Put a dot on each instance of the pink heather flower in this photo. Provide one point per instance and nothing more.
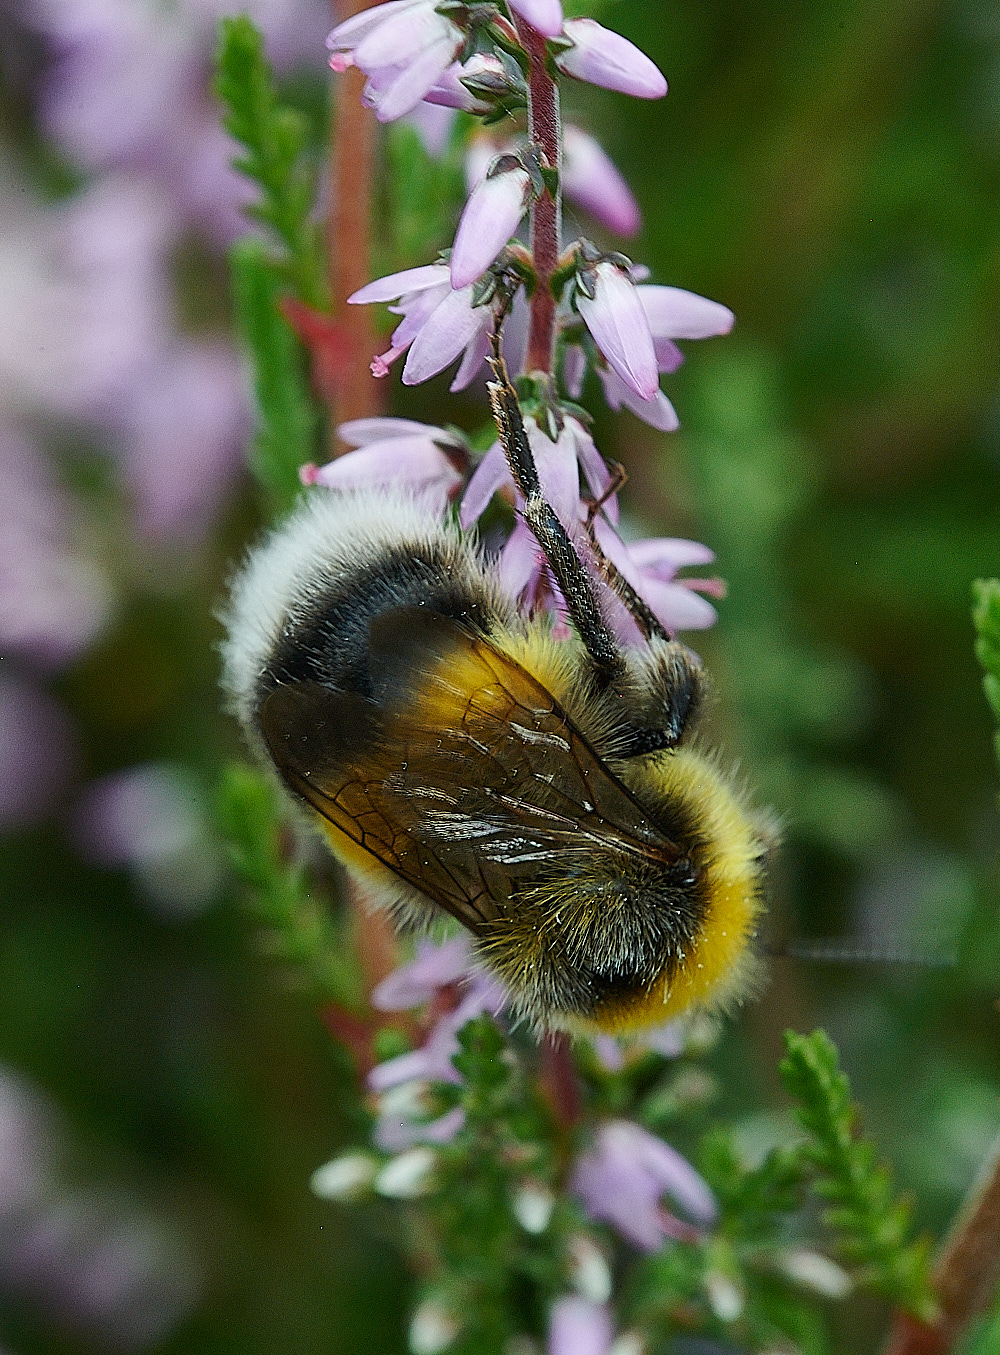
(604, 58)
(658, 412)
(432, 1061)
(491, 216)
(450, 92)
(433, 123)
(53, 600)
(438, 324)
(650, 567)
(593, 182)
(393, 452)
(577, 1326)
(671, 313)
(559, 464)
(434, 967)
(545, 15)
(404, 48)
(623, 1176)
(617, 321)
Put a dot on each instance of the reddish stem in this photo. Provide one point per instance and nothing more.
(559, 1080)
(359, 395)
(348, 236)
(965, 1277)
(545, 130)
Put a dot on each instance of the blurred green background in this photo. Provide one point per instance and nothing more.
(830, 172)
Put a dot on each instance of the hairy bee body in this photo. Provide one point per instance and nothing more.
(458, 758)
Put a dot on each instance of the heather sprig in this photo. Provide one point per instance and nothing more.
(871, 1224)
(275, 139)
(299, 930)
(986, 619)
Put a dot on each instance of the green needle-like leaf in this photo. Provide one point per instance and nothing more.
(873, 1227)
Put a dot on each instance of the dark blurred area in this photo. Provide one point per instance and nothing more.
(830, 172)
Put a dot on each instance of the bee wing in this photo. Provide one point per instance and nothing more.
(462, 773)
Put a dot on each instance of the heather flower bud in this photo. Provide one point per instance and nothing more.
(614, 314)
(589, 1271)
(592, 181)
(604, 58)
(432, 1329)
(545, 15)
(491, 216)
(407, 1176)
(532, 1206)
(344, 1178)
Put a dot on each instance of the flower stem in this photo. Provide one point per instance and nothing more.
(348, 242)
(545, 130)
(965, 1277)
(348, 236)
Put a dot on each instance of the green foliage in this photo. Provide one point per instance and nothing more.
(287, 418)
(986, 618)
(275, 138)
(425, 195)
(300, 928)
(871, 1225)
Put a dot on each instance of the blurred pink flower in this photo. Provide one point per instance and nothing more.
(578, 1326)
(129, 87)
(623, 1176)
(53, 599)
(592, 181)
(434, 967)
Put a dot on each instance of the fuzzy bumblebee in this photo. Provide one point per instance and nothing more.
(549, 795)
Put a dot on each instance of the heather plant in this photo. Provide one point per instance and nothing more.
(580, 1198)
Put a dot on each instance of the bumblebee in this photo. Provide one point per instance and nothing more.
(550, 795)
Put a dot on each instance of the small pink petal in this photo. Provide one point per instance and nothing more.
(402, 37)
(491, 216)
(662, 556)
(676, 314)
(308, 473)
(658, 412)
(595, 469)
(409, 461)
(677, 607)
(414, 80)
(491, 473)
(401, 284)
(604, 58)
(617, 321)
(354, 30)
(668, 356)
(454, 324)
(593, 182)
(545, 15)
(359, 432)
(579, 1327)
(474, 357)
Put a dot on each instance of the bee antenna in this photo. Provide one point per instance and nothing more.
(551, 535)
(835, 952)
